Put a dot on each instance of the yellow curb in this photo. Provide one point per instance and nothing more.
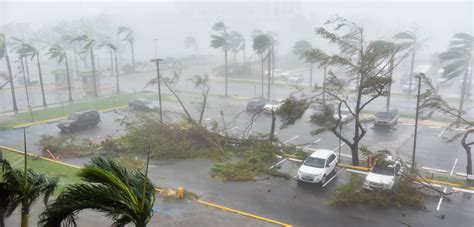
(36, 156)
(60, 118)
(440, 182)
(243, 213)
(353, 167)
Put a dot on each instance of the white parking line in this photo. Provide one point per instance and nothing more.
(454, 166)
(311, 144)
(441, 133)
(290, 139)
(342, 144)
(433, 169)
(335, 175)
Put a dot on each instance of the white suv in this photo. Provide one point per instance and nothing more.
(383, 177)
(317, 166)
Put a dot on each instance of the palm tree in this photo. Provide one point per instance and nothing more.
(129, 38)
(323, 60)
(113, 48)
(408, 39)
(4, 53)
(28, 50)
(300, 48)
(58, 53)
(262, 43)
(457, 61)
(88, 47)
(190, 42)
(16, 44)
(8, 201)
(222, 41)
(74, 49)
(124, 195)
(238, 44)
(28, 186)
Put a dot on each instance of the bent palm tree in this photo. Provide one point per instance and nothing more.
(4, 53)
(406, 40)
(262, 43)
(28, 50)
(129, 38)
(88, 47)
(238, 44)
(113, 48)
(123, 195)
(323, 60)
(222, 42)
(300, 48)
(57, 52)
(28, 188)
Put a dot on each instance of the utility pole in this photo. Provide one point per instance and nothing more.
(158, 78)
(418, 76)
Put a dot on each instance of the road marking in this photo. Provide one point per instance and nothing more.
(311, 144)
(441, 133)
(454, 166)
(441, 199)
(461, 174)
(335, 175)
(342, 144)
(433, 169)
(278, 163)
(463, 190)
(317, 141)
(292, 138)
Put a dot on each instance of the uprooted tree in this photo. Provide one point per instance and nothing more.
(365, 63)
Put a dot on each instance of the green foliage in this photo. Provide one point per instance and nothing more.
(404, 193)
(292, 110)
(261, 43)
(301, 48)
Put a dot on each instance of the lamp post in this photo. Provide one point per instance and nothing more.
(158, 77)
(418, 76)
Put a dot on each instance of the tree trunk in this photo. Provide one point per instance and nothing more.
(204, 103)
(41, 79)
(272, 131)
(269, 73)
(324, 83)
(2, 221)
(75, 63)
(310, 75)
(26, 83)
(12, 85)
(412, 66)
(463, 95)
(27, 70)
(68, 79)
(25, 216)
(225, 72)
(133, 55)
(467, 148)
(117, 72)
(470, 82)
(111, 63)
(273, 63)
(263, 72)
(94, 81)
(389, 87)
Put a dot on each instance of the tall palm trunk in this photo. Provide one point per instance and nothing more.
(269, 73)
(41, 79)
(263, 71)
(463, 94)
(12, 86)
(27, 70)
(467, 148)
(25, 215)
(117, 72)
(389, 87)
(75, 62)
(111, 62)
(26, 82)
(273, 63)
(133, 55)
(68, 79)
(225, 72)
(94, 81)
(412, 65)
(272, 130)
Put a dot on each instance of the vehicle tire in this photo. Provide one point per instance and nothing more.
(323, 180)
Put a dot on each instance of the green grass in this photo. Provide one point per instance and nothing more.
(66, 108)
(67, 175)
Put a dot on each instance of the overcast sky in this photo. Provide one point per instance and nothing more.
(171, 21)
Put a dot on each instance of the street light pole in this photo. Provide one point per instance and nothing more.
(158, 78)
(419, 76)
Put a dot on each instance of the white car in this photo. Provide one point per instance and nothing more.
(346, 115)
(383, 177)
(296, 78)
(273, 105)
(317, 166)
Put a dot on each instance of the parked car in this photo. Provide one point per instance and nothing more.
(386, 118)
(383, 177)
(79, 120)
(255, 104)
(142, 104)
(274, 105)
(346, 115)
(317, 166)
(296, 78)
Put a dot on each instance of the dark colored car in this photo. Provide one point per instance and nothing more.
(142, 104)
(386, 118)
(79, 120)
(256, 104)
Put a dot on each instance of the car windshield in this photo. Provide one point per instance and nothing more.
(314, 162)
(73, 116)
(383, 170)
(383, 115)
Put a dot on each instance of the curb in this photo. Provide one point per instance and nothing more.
(243, 213)
(36, 156)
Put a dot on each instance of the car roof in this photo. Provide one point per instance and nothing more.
(321, 153)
